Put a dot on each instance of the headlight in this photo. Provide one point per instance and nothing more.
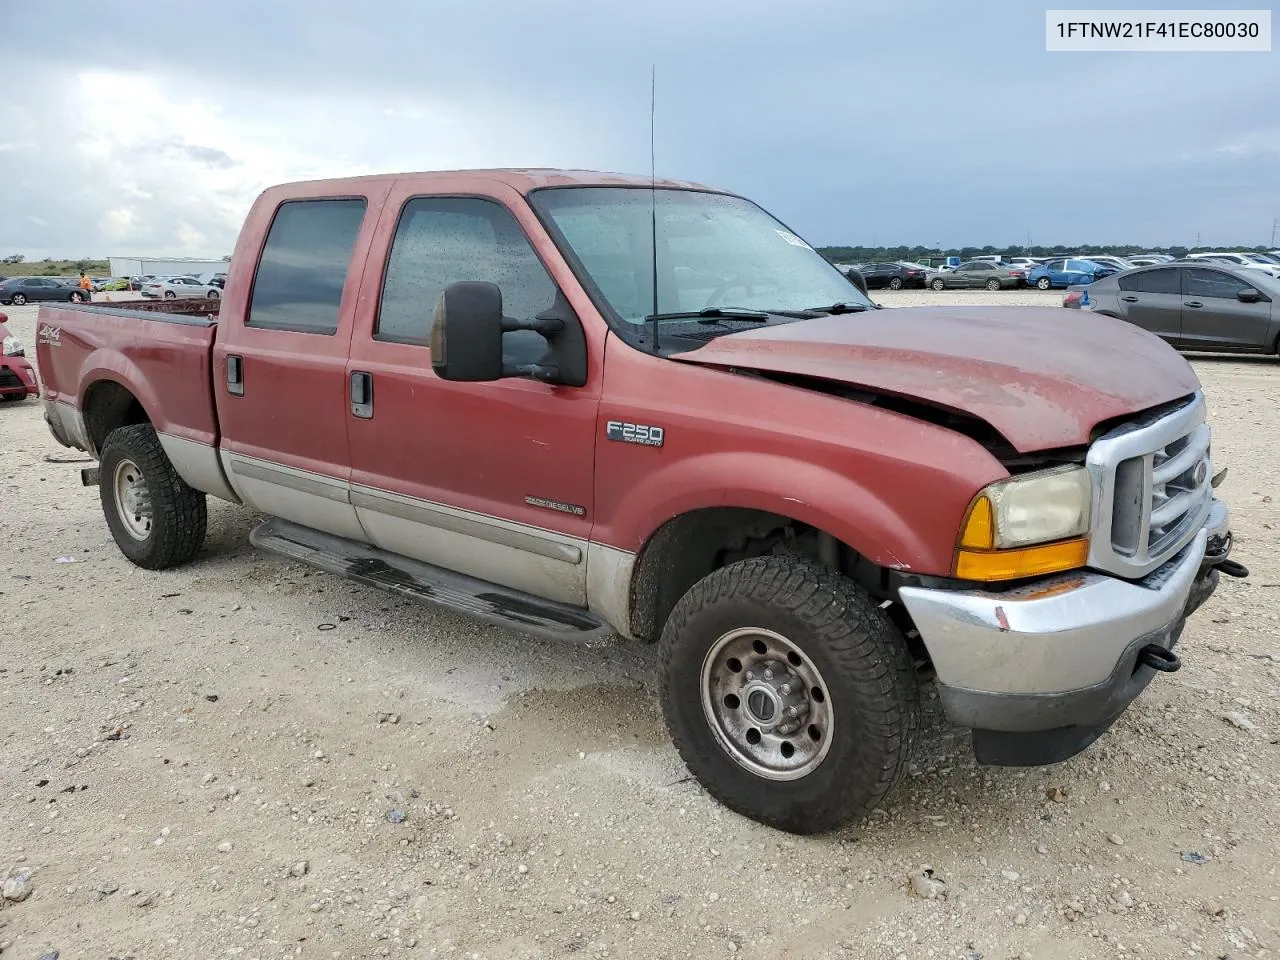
(13, 347)
(1027, 526)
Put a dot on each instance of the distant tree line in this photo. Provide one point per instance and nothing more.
(868, 254)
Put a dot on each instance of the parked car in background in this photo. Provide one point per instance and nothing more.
(1025, 264)
(1118, 264)
(1146, 261)
(979, 273)
(218, 280)
(171, 288)
(1192, 304)
(20, 290)
(17, 378)
(892, 274)
(1066, 271)
(1239, 259)
(1158, 257)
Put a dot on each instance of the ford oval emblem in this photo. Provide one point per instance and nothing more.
(1202, 472)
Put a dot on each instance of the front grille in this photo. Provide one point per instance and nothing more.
(1152, 489)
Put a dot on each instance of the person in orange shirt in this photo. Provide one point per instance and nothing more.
(85, 283)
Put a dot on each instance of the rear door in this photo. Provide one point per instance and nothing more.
(1152, 299)
(1213, 316)
(496, 479)
(280, 364)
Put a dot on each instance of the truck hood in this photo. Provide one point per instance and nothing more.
(1043, 377)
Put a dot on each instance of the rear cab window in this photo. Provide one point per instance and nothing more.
(300, 277)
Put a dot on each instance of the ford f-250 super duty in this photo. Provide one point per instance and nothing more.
(580, 403)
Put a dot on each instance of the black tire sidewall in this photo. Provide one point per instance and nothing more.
(820, 800)
(177, 511)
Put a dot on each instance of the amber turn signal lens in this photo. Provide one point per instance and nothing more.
(991, 565)
(979, 531)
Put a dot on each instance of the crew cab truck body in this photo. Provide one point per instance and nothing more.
(484, 390)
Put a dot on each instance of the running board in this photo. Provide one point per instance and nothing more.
(427, 583)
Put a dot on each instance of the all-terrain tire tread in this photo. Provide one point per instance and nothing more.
(868, 651)
(179, 512)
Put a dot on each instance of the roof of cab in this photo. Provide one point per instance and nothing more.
(522, 179)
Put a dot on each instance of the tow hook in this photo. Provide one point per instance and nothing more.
(1158, 658)
(1232, 569)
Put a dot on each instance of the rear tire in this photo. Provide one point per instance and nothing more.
(213, 295)
(170, 295)
(19, 299)
(937, 284)
(159, 522)
(895, 283)
(993, 284)
(1044, 283)
(804, 622)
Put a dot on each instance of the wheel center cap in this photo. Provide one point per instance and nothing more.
(763, 704)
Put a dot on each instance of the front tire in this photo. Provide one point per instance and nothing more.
(1044, 283)
(77, 297)
(213, 295)
(753, 642)
(157, 520)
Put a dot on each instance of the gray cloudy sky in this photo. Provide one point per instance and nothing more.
(148, 127)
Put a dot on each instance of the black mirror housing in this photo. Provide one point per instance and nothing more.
(1248, 295)
(466, 332)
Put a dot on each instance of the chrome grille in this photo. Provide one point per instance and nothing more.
(1152, 490)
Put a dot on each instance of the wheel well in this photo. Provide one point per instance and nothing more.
(689, 547)
(107, 405)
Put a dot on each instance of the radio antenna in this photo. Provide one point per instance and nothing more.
(653, 198)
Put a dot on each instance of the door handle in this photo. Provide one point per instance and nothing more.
(1129, 299)
(1194, 304)
(362, 395)
(235, 375)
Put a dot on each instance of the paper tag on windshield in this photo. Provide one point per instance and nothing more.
(792, 239)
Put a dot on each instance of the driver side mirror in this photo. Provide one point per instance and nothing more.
(1248, 295)
(466, 338)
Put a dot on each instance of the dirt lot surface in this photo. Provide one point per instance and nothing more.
(245, 759)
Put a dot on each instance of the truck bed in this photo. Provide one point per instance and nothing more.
(159, 351)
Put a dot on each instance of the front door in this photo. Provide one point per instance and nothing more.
(280, 367)
(1213, 316)
(494, 480)
(1152, 299)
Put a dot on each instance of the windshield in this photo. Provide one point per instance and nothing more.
(712, 251)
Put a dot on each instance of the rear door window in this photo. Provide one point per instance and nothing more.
(1151, 281)
(304, 265)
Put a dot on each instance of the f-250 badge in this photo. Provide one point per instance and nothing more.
(643, 434)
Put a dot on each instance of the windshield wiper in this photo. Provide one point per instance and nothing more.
(840, 308)
(711, 314)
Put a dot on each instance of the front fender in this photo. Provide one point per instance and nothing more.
(805, 492)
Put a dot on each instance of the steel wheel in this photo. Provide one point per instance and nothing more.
(767, 703)
(133, 499)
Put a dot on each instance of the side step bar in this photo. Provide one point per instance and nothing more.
(428, 583)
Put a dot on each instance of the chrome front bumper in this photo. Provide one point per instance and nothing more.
(1060, 652)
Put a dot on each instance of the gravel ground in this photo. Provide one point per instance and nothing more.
(246, 759)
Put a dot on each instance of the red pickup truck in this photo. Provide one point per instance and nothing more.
(580, 403)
